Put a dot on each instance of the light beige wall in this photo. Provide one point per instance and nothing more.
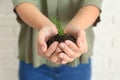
(8, 42)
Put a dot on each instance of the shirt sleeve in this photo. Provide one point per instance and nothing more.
(96, 3)
(17, 2)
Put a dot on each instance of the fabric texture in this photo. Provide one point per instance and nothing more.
(65, 10)
(63, 72)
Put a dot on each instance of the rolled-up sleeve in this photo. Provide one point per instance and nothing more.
(17, 2)
(96, 3)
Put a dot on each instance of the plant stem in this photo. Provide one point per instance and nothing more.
(58, 25)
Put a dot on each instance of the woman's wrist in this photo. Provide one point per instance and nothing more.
(72, 26)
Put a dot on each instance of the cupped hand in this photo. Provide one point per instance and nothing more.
(51, 52)
(44, 34)
(70, 49)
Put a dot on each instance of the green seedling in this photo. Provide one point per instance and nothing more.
(58, 25)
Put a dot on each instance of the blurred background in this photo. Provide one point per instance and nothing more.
(106, 59)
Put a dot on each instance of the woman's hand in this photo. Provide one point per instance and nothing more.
(72, 50)
(76, 27)
(44, 34)
(51, 52)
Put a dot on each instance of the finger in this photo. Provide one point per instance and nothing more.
(67, 50)
(54, 56)
(80, 40)
(58, 61)
(51, 49)
(70, 44)
(82, 43)
(65, 58)
(64, 62)
(58, 50)
(39, 52)
(42, 43)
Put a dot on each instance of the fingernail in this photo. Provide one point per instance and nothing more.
(62, 45)
(68, 42)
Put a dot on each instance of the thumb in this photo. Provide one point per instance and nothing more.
(79, 40)
(43, 46)
(42, 43)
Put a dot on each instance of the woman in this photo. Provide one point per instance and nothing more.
(60, 61)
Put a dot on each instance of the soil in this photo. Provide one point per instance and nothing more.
(60, 39)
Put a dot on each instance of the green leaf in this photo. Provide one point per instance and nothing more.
(58, 25)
